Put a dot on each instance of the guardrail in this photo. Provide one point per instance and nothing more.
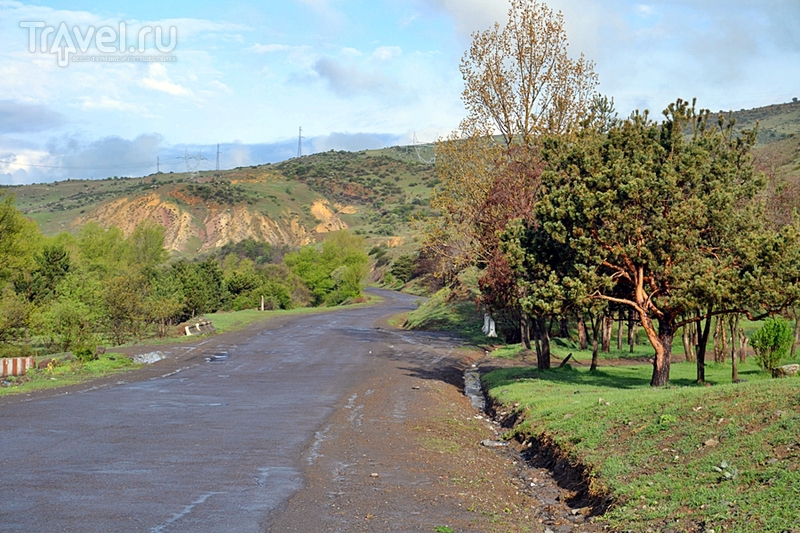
(16, 366)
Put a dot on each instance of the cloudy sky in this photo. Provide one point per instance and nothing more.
(353, 73)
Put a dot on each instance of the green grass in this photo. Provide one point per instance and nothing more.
(642, 348)
(439, 313)
(68, 373)
(646, 446)
(226, 321)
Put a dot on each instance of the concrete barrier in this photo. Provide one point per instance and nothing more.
(200, 327)
(16, 366)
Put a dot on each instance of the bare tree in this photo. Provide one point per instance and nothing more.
(520, 80)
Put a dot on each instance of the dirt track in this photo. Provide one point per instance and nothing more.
(315, 423)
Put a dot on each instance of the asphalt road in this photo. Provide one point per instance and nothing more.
(206, 446)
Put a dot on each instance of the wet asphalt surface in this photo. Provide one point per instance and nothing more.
(213, 445)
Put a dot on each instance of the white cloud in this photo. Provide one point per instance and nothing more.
(387, 53)
(352, 141)
(105, 102)
(23, 160)
(347, 79)
(650, 53)
(268, 48)
(333, 18)
(470, 15)
(220, 87)
(22, 117)
(158, 80)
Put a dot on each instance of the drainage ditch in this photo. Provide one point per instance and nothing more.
(539, 452)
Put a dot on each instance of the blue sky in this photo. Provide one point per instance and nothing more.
(354, 74)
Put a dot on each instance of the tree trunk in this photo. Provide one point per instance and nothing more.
(543, 356)
(631, 331)
(608, 326)
(582, 343)
(595, 324)
(563, 328)
(662, 344)
(688, 349)
(701, 348)
(525, 331)
(796, 331)
(720, 342)
(619, 330)
(743, 340)
(733, 324)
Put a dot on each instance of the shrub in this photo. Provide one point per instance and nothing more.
(84, 353)
(772, 343)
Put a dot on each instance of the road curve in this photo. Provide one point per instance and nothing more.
(214, 447)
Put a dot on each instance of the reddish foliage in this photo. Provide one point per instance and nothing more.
(512, 197)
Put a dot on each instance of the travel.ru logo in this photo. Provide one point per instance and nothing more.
(111, 43)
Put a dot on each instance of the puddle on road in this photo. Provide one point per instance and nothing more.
(223, 356)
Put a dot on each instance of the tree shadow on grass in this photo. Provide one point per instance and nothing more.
(620, 378)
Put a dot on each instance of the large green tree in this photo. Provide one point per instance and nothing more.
(334, 272)
(661, 218)
(19, 238)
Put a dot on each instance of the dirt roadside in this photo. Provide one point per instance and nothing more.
(404, 454)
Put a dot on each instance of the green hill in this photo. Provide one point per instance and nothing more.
(775, 122)
(373, 193)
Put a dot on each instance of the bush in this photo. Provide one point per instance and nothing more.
(84, 353)
(772, 343)
(403, 268)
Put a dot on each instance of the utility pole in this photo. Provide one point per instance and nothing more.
(217, 156)
(300, 142)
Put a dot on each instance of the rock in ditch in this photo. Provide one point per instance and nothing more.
(493, 443)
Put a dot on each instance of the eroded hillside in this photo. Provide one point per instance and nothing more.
(294, 203)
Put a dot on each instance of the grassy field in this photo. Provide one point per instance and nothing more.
(67, 373)
(684, 458)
